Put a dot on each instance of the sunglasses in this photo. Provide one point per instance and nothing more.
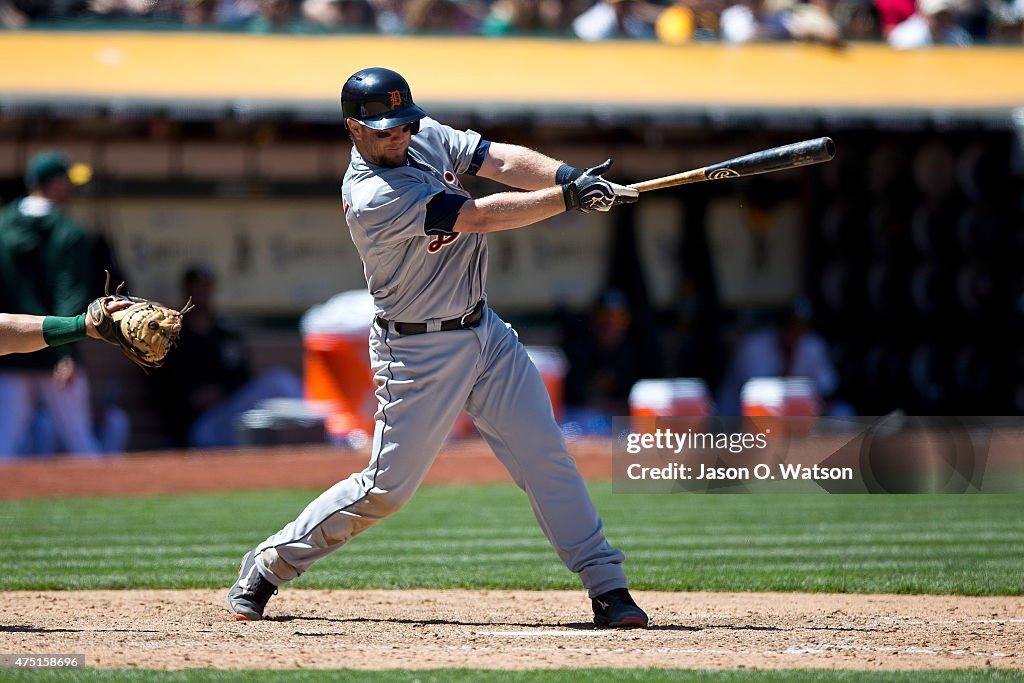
(411, 128)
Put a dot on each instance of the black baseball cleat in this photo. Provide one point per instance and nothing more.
(249, 596)
(616, 609)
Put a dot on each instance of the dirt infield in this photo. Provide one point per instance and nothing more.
(386, 629)
(515, 630)
(467, 462)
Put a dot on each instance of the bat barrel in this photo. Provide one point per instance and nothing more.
(775, 159)
(810, 151)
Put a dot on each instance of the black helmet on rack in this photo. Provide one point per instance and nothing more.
(379, 99)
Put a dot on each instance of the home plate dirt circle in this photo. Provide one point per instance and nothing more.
(425, 629)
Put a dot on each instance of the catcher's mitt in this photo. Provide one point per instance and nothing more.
(145, 330)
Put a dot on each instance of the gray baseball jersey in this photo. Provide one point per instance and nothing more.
(411, 275)
(424, 380)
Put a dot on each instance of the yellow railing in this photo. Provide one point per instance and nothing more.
(509, 72)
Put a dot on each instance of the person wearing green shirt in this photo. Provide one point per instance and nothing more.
(45, 259)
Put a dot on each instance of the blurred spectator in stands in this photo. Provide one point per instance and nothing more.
(120, 8)
(236, 13)
(813, 21)
(11, 17)
(1007, 21)
(23, 13)
(601, 356)
(790, 348)
(44, 262)
(858, 20)
(976, 17)
(754, 20)
(150, 10)
(443, 16)
(278, 16)
(686, 20)
(892, 13)
(206, 383)
(531, 16)
(196, 13)
(390, 16)
(340, 15)
(617, 19)
(934, 23)
(15, 14)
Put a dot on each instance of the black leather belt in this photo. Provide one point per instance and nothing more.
(463, 322)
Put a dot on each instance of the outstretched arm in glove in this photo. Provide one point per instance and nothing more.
(23, 333)
(145, 330)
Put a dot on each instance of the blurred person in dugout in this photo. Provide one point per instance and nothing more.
(45, 263)
(790, 348)
(601, 356)
(206, 383)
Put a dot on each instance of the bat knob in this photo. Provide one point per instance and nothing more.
(830, 147)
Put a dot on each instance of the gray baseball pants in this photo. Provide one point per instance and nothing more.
(423, 382)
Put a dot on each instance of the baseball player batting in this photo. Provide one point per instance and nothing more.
(436, 347)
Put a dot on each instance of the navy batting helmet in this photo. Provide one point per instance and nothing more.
(379, 99)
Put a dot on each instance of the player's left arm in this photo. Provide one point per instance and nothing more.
(511, 165)
(524, 168)
(527, 169)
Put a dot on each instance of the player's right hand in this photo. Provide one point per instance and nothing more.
(591, 192)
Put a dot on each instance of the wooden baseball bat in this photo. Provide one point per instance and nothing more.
(775, 159)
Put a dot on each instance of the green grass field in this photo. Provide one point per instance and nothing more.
(486, 537)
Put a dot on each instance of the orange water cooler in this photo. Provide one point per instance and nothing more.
(794, 398)
(337, 370)
(780, 397)
(685, 397)
(336, 363)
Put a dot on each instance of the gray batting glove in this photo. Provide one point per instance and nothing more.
(591, 192)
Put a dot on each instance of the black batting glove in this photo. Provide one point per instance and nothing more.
(591, 192)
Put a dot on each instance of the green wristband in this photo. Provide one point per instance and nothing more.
(58, 330)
